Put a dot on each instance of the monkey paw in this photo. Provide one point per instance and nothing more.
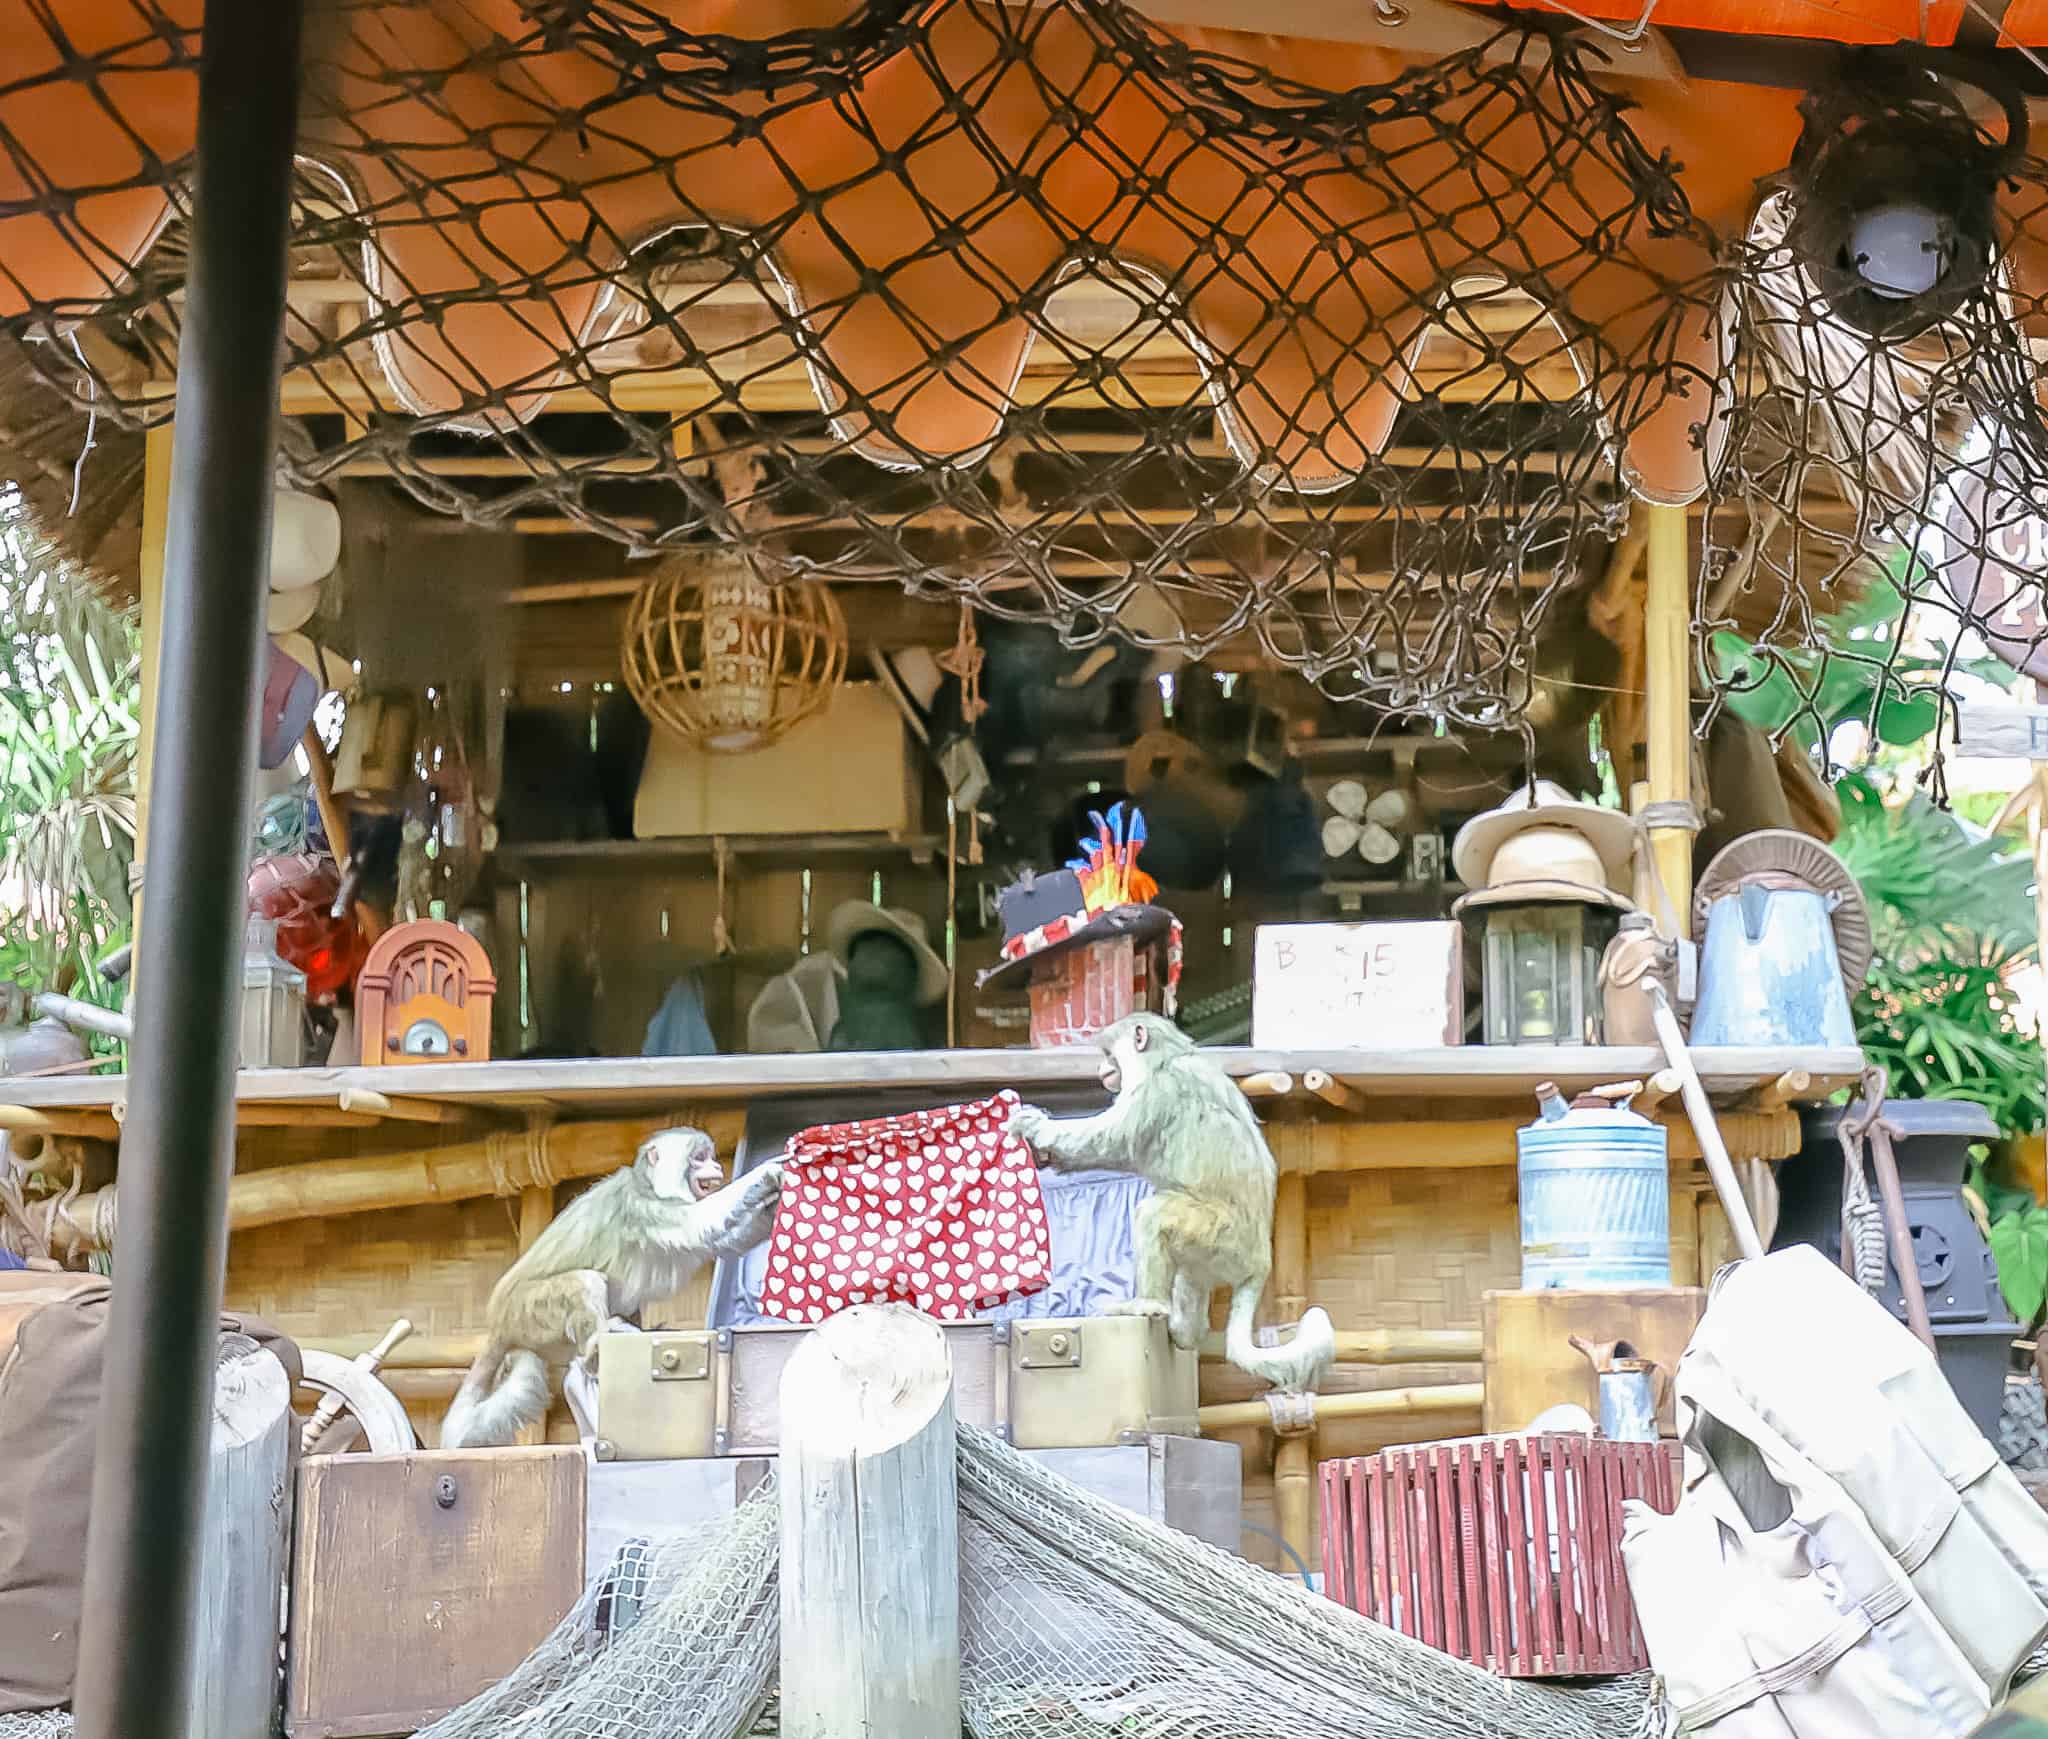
(1029, 1125)
(1138, 1307)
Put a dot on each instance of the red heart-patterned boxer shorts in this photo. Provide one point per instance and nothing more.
(940, 1209)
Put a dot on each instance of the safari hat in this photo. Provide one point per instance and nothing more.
(1611, 834)
(853, 919)
(1545, 863)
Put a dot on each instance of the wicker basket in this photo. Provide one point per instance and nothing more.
(726, 661)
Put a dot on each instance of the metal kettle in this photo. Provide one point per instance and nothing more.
(1770, 973)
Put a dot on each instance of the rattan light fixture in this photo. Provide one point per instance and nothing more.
(726, 661)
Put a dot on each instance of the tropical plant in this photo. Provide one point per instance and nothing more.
(69, 697)
(1951, 915)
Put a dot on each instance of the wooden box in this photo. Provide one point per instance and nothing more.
(1531, 1364)
(1340, 986)
(420, 1579)
(1047, 1383)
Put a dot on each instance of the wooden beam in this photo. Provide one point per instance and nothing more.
(1362, 1404)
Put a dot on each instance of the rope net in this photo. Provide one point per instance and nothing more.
(1188, 337)
(1039, 307)
(1076, 1618)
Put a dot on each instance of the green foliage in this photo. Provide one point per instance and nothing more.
(69, 693)
(1951, 916)
(1854, 673)
(2018, 1232)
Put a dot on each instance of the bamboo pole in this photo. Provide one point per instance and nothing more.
(504, 1164)
(536, 1214)
(1294, 1457)
(1362, 1404)
(156, 520)
(1388, 1346)
(1477, 1142)
(1667, 641)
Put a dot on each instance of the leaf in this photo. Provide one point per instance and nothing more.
(2019, 1247)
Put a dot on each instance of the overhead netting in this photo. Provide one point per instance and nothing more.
(1077, 1618)
(1885, 443)
(1039, 306)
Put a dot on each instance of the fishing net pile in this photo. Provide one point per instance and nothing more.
(1041, 307)
(1077, 1618)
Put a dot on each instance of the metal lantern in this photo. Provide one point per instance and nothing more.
(273, 1000)
(1542, 971)
(726, 661)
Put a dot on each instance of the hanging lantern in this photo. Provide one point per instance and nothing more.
(726, 661)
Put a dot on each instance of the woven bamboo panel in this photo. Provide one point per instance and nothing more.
(1412, 1249)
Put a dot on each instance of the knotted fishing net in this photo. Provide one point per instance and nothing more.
(1076, 1618)
(1040, 307)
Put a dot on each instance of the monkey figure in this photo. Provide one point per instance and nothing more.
(1181, 1124)
(634, 1238)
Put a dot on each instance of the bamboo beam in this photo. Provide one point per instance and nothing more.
(156, 520)
(1667, 677)
(403, 1109)
(536, 1214)
(1294, 1458)
(1330, 1146)
(502, 1165)
(22, 1120)
(1363, 1404)
(1333, 1092)
(1386, 1346)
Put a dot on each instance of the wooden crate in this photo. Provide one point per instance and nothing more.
(419, 1580)
(1504, 1552)
(1531, 1364)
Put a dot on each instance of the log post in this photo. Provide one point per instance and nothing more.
(241, 1555)
(1294, 1456)
(870, 1531)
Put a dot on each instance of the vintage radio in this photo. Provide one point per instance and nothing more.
(1045, 1383)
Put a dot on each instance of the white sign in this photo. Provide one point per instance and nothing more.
(2011, 732)
(1357, 986)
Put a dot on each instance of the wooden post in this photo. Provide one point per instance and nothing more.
(1667, 640)
(1294, 1457)
(235, 1685)
(156, 519)
(870, 1531)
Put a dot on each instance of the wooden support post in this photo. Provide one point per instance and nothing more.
(234, 1685)
(1667, 639)
(156, 519)
(1294, 1457)
(870, 1531)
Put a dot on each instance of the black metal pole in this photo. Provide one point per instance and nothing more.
(137, 1636)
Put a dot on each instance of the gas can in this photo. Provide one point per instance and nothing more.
(1596, 1195)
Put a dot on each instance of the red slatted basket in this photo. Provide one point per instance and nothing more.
(1438, 1541)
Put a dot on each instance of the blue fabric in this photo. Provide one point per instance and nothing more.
(679, 1028)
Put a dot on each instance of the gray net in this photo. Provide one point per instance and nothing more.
(1077, 1618)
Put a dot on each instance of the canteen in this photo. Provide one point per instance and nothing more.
(1770, 973)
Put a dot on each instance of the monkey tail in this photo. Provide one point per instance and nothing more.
(1295, 1366)
(506, 1391)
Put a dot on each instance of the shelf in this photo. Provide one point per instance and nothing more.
(779, 847)
(1504, 1075)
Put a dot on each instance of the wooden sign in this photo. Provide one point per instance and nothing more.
(1349, 986)
(2017, 732)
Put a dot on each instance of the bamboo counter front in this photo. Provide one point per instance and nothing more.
(361, 1196)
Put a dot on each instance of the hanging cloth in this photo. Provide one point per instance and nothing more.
(940, 1209)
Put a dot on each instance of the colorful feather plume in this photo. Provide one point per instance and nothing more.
(1108, 869)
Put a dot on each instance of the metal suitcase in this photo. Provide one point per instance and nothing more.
(1045, 1383)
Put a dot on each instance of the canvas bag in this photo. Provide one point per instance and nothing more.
(49, 1419)
(1845, 1558)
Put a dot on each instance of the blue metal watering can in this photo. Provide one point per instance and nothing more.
(1770, 973)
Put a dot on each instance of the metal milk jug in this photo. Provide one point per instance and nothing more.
(1631, 1388)
(1595, 1193)
(1770, 973)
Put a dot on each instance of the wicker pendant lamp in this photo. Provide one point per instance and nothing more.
(726, 661)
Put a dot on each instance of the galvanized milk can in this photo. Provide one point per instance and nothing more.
(1595, 1193)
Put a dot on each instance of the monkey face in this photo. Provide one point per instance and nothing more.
(681, 1165)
